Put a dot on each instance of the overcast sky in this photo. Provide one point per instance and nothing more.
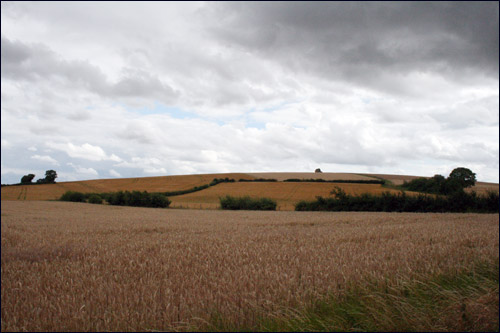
(124, 89)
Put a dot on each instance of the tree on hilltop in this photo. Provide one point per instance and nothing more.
(50, 177)
(27, 178)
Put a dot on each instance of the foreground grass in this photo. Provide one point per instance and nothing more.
(461, 301)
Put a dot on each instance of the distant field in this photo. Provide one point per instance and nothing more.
(280, 176)
(150, 184)
(286, 194)
(83, 267)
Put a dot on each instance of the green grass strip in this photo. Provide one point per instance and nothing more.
(460, 301)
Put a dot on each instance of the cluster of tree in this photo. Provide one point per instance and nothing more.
(247, 203)
(120, 198)
(50, 178)
(348, 181)
(459, 201)
(259, 180)
(458, 179)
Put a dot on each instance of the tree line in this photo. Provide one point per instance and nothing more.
(50, 178)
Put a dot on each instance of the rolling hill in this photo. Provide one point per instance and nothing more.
(285, 193)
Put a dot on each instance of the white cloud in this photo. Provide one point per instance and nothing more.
(114, 173)
(249, 87)
(85, 151)
(84, 171)
(45, 158)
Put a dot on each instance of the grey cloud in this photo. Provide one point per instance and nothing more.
(359, 40)
(33, 62)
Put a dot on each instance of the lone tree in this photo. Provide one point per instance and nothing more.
(27, 178)
(318, 170)
(50, 176)
(463, 176)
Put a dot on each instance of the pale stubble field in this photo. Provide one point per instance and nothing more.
(72, 266)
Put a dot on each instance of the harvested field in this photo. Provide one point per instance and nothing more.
(395, 179)
(280, 176)
(150, 184)
(82, 267)
(286, 194)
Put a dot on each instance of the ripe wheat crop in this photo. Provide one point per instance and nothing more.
(74, 266)
(150, 184)
(286, 194)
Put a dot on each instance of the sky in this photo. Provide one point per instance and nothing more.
(99, 90)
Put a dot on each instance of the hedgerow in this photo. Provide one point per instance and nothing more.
(120, 198)
(247, 203)
(459, 202)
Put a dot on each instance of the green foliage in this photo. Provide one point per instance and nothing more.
(73, 196)
(121, 198)
(464, 176)
(181, 192)
(247, 203)
(50, 176)
(407, 306)
(458, 179)
(259, 180)
(460, 202)
(216, 181)
(94, 198)
(26, 179)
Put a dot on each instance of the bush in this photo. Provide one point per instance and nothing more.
(73, 196)
(94, 199)
(159, 201)
(138, 199)
(247, 203)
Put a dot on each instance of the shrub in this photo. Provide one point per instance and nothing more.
(247, 203)
(94, 199)
(159, 201)
(73, 196)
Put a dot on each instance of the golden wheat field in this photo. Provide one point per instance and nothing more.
(286, 194)
(82, 267)
(150, 184)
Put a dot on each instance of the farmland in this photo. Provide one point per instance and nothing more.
(73, 266)
(286, 194)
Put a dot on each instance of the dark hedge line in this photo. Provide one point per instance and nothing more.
(120, 198)
(259, 180)
(181, 192)
(350, 181)
(458, 202)
(214, 182)
(247, 203)
(221, 180)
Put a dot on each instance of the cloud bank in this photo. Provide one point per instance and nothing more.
(102, 90)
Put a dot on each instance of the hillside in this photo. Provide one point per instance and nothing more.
(286, 194)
